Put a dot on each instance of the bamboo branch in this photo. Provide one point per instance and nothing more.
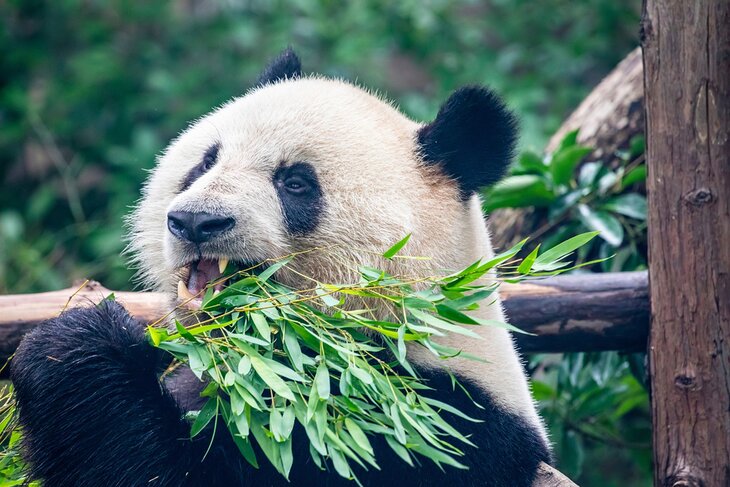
(566, 313)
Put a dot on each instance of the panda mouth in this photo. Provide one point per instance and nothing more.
(201, 274)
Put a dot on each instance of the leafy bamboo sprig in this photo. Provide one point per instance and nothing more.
(274, 357)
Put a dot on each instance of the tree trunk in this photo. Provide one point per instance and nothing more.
(686, 48)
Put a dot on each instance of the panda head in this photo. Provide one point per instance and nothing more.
(308, 162)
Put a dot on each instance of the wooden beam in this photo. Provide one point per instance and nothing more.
(567, 313)
(581, 313)
(19, 313)
(686, 47)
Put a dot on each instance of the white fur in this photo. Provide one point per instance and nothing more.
(376, 190)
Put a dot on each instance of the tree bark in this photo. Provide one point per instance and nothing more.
(686, 47)
(612, 114)
(566, 313)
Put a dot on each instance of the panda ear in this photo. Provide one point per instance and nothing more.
(285, 66)
(472, 139)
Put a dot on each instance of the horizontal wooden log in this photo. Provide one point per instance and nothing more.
(581, 313)
(588, 312)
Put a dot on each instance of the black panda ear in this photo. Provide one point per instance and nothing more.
(285, 66)
(472, 139)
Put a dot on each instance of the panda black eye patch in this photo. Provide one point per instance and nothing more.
(210, 158)
(300, 196)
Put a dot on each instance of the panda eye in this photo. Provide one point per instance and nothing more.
(210, 157)
(208, 163)
(296, 185)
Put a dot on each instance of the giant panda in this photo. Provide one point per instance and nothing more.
(298, 162)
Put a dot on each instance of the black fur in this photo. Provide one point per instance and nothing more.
(210, 159)
(94, 413)
(473, 138)
(285, 66)
(302, 208)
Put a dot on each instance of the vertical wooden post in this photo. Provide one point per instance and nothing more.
(686, 46)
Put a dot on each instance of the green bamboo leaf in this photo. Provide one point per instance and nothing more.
(400, 432)
(288, 417)
(244, 365)
(526, 265)
(391, 252)
(562, 250)
(340, 463)
(437, 322)
(246, 450)
(366, 378)
(269, 271)
(358, 435)
(272, 380)
(206, 414)
(157, 335)
(399, 450)
(275, 425)
(401, 343)
(503, 256)
(326, 297)
(261, 324)
(211, 390)
(183, 332)
(322, 378)
(237, 405)
(452, 314)
(445, 325)
(287, 457)
(242, 421)
(267, 445)
(293, 350)
(198, 361)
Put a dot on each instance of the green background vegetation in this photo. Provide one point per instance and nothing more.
(91, 91)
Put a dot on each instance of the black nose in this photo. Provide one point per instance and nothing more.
(197, 227)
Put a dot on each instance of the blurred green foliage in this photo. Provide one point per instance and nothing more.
(571, 195)
(90, 91)
(597, 413)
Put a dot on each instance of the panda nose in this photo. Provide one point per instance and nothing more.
(198, 227)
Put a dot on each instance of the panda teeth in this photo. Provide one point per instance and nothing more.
(222, 264)
(182, 291)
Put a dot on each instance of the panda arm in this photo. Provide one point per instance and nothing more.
(93, 411)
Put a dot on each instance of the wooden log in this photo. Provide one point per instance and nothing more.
(567, 313)
(581, 313)
(687, 79)
(21, 312)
